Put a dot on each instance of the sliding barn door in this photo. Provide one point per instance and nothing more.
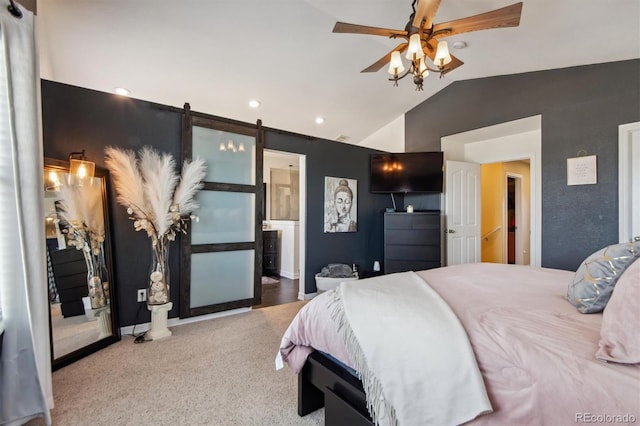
(222, 253)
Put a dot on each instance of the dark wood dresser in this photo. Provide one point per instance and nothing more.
(270, 253)
(70, 273)
(412, 241)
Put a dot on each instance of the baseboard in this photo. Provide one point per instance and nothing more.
(306, 296)
(290, 275)
(128, 330)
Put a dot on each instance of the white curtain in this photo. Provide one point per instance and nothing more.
(25, 366)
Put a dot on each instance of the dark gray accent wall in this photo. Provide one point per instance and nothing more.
(581, 110)
(329, 158)
(75, 118)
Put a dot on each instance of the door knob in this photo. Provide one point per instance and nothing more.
(450, 231)
(636, 238)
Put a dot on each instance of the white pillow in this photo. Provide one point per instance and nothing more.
(619, 334)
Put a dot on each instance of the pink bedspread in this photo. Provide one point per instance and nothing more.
(535, 351)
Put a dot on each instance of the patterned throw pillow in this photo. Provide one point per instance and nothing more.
(597, 275)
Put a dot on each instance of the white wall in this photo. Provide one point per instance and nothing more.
(276, 160)
(390, 138)
(288, 236)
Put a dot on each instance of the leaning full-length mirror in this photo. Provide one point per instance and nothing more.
(80, 270)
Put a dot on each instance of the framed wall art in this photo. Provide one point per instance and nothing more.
(340, 204)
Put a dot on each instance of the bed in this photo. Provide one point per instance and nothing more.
(536, 353)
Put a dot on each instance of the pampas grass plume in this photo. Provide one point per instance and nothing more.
(151, 188)
(191, 181)
(82, 206)
(127, 179)
(160, 180)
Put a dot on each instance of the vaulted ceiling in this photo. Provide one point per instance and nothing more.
(219, 54)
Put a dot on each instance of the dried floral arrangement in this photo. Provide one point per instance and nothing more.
(81, 209)
(157, 199)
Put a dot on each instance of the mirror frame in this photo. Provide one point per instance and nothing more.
(64, 360)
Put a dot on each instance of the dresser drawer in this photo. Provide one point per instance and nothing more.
(429, 253)
(416, 237)
(270, 246)
(391, 266)
(413, 221)
(269, 261)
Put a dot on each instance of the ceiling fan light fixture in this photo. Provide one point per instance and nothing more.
(421, 33)
(395, 65)
(423, 70)
(442, 57)
(414, 51)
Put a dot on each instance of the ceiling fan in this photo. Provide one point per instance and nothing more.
(422, 39)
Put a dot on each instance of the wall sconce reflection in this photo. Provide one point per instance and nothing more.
(80, 169)
(53, 182)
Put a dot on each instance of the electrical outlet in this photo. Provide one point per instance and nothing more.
(142, 295)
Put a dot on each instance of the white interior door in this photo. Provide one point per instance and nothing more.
(629, 181)
(462, 193)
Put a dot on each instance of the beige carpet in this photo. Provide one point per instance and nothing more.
(215, 372)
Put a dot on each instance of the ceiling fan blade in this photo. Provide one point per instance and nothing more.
(385, 59)
(455, 63)
(343, 27)
(500, 18)
(432, 46)
(426, 10)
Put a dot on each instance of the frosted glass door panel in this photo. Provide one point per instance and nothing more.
(220, 277)
(224, 217)
(230, 157)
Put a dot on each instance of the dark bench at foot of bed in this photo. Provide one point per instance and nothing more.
(322, 382)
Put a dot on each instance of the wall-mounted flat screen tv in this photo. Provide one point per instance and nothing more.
(406, 172)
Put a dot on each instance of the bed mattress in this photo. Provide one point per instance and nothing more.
(535, 351)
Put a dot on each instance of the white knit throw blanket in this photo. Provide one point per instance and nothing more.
(415, 362)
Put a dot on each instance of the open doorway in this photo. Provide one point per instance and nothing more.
(505, 223)
(284, 177)
(509, 142)
(516, 214)
(512, 218)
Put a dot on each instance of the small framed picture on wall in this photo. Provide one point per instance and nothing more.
(582, 170)
(340, 204)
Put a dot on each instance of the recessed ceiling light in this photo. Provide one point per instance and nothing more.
(121, 91)
(319, 120)
(459, 45)
(254, 103)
